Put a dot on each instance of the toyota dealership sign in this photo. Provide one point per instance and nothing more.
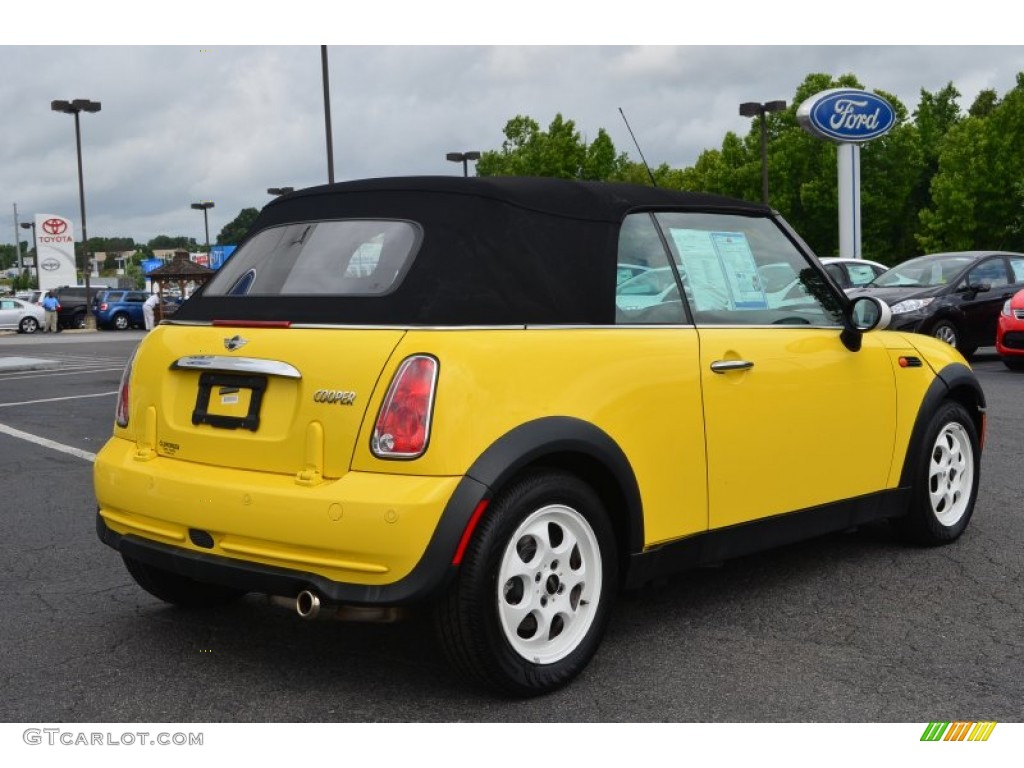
(55, 246)
(846, 115)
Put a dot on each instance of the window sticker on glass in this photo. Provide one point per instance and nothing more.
(720, 269)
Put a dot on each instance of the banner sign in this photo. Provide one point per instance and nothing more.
(219, 254)
(148, 265)
(55, 246)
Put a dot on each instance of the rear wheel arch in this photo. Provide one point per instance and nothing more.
(579, 448)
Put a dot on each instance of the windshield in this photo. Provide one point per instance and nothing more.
(924, 272)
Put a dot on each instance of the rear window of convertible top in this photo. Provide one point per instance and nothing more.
(336, 258)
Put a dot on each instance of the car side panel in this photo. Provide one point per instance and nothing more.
(641, 388)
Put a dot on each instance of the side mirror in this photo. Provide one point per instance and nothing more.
(869, 313)
(863, 314)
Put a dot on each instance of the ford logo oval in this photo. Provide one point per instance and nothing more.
(50, 264)
(846, 115)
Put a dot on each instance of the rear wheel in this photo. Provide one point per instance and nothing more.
(28, 325)
(532, 597)
(121, 322)
(177, 589)
(946, 479)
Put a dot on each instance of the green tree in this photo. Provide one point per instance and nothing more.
(560, 152)
(166, 243)
(975, 204)
(235, 230)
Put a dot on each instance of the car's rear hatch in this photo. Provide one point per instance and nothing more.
(281, 400)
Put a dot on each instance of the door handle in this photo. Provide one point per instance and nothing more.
(725, 366)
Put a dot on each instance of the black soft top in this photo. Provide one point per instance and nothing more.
(495, 250)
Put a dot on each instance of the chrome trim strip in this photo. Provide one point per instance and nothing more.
(236, 365)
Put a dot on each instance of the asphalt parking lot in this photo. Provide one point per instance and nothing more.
(853, 627)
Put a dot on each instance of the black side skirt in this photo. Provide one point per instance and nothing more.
(760, 535)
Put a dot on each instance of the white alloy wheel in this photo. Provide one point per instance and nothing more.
(549, 584)
(951, 474)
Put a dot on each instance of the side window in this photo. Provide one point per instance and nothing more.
(992, 272)
(744, 270)
(1017, 269)
(647, 292)
(835, 271)
(862, 274)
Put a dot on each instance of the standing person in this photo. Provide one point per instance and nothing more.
(50, 306)
(149, 310)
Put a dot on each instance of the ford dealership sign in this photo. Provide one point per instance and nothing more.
(846, 115)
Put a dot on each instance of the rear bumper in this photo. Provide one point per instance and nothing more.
(366, 539)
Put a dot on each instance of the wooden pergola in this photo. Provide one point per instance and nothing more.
(181, 272)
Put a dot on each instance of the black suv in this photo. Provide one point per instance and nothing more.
(73, 304)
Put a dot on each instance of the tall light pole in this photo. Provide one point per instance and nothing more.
(32, 225)
(464, 158)
(74, 108)
(756, 109)
(204, 206)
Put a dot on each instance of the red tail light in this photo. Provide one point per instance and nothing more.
(103, 307)
(121, 412)
(403, 424)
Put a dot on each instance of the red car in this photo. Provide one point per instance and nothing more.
(1010, 332)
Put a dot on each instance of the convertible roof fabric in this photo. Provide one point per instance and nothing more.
(495, 250)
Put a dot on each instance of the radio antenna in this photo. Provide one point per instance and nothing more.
(653, 182)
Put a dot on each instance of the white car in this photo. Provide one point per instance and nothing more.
(21, 316)
(853, 273)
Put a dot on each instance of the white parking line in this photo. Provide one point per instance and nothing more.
(57, 399)
(4, 429)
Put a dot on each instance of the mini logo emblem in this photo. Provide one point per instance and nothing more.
(235, 342)
(50, 264)
(54, 226)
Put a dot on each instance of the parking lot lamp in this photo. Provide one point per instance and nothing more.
(74, 108)
(756, 109)
(205, 206)
(464, 158)
(278, 191)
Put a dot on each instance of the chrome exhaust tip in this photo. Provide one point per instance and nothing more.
(307, 604)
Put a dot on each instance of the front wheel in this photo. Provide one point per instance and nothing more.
(1014, 363)
(946, 331)
(177, 589)
(532, 598)
(946, 479)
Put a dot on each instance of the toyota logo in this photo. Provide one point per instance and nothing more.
(55, 226)
(50, 265)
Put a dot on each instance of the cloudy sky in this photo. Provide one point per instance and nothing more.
(185, 120)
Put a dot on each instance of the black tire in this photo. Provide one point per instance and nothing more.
(542, 561)
(946, 479)
(121, 322)
(1014, 363)
(78, 321)
(28, 325)
(177, 589)
(946, 331)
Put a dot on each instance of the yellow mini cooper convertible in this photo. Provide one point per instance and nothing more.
(436, 392)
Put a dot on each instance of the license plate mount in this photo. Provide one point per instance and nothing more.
(229, 401)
